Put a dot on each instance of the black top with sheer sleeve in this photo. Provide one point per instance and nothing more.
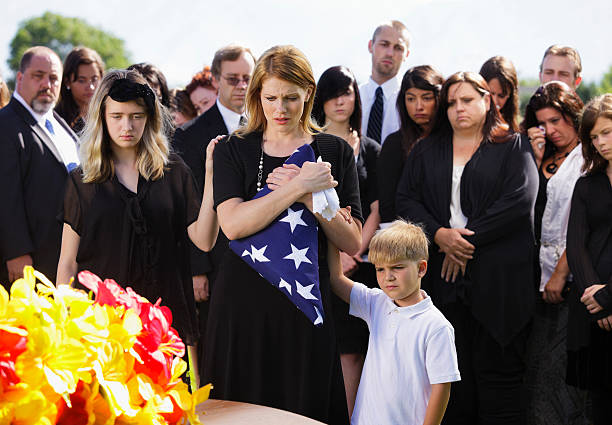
(139, 239)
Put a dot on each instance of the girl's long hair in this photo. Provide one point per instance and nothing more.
(95, 148)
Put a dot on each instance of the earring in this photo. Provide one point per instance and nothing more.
(68, 88)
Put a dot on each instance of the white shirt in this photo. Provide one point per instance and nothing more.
(410, 348)
(230, 118)
(367, 91)
(63, 142)
(457, 219)
(559, 192)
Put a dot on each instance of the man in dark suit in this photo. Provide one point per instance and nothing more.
(231, 70)
(37, 150)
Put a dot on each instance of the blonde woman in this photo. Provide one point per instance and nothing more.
(130, 207)
(259, 347)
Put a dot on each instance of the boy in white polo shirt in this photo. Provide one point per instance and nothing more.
(411, 357)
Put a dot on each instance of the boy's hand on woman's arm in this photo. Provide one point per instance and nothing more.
(440, 394)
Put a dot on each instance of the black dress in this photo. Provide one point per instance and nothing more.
(259, 347)
(589, 254)
(140, 239)
(390, 167)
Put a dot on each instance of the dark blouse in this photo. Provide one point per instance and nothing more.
(236, 160)
(390, 165)
(139, 239)
(589, 252)
(366, 163)
(498, 190)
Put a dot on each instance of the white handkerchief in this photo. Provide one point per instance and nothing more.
(326, 202)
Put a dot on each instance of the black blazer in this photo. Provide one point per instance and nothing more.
(588, 253)
(190, 142)
(32, 179)
(498, 191)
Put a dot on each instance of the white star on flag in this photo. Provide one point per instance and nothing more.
(294, 218)
(319, 318)
(256, 254)
(304, 291)
(298, 256)
(285, 285)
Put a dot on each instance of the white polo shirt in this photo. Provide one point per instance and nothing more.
(410, 348)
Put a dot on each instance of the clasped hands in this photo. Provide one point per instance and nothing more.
(458, 251)
(588, 299)
(311, 177)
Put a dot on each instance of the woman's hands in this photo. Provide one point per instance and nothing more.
(554, 289)
(458, 251)
(589, 300)
(312, 177)
(537, 139)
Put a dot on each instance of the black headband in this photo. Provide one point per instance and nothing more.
(124, 90)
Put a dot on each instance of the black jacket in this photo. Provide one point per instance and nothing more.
(190, 142)
(32, 179)
(498, 191)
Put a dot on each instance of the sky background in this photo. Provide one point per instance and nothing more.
(181, 36)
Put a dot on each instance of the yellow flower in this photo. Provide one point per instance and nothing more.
(24, 406)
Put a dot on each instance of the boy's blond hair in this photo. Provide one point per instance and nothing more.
(399, 242)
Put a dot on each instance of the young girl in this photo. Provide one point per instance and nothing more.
(589, 254)
(130, 207)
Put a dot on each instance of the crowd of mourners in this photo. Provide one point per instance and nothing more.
(509, 319)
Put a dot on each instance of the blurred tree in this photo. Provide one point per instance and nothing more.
(61, 34)
(606, 82)
(587, 91)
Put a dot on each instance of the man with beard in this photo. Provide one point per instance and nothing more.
(37, 151)
(389, 48)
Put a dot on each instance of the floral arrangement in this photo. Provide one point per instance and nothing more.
(68, 359)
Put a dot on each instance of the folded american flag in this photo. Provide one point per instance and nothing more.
(286, 252)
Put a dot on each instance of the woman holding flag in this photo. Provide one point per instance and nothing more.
(260, 348)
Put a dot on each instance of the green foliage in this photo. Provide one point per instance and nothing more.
(62, 34)
(587, 91)
(606, 82)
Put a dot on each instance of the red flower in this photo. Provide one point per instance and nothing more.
(76, 414)
(158, 343)
(11, 346)
(108, 292)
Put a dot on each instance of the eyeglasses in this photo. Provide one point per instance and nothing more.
(233, 81)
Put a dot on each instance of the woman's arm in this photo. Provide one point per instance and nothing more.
(239, 218)
(438, 400)
(67, 266)
(517, 200)
(341, 285)
(578, 229)
(203, 232)
(346, 236)
(554, 287)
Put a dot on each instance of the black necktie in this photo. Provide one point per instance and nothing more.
(376, 116)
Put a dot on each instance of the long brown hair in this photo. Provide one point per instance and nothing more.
(503, 69)
(67, 106)
(286, 63)
(600, 107)
(422, 77)
(493, 130)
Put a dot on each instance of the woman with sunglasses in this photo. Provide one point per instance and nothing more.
(132, 205)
